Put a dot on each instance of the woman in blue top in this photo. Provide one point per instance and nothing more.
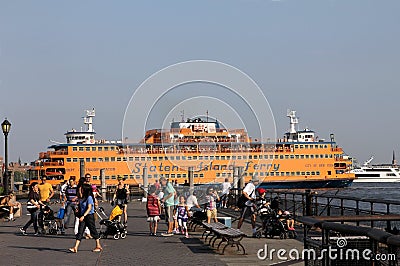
(86, 208)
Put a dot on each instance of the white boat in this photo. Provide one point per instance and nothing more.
(379, 173)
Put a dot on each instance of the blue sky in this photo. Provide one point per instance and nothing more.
(336, 62)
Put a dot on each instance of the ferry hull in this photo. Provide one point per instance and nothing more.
(312, 184)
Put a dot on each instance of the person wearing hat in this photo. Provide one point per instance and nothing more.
(249, 209)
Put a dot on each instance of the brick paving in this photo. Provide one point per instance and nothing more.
(138, 248)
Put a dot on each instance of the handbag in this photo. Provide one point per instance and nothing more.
(61, 213)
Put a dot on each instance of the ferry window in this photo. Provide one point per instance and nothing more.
(250, 156)
(286, 156)
(316, 156)
(142, 158)
(325, 146)
(68, 160)
(326, 156)
(167, 175)
(296, 146)
(177, 157)
(124, 159)
(194, 157)
(244, 157)
(80, 148)
(87, 148)
(200, 157)
(113, 177)
(148, 158)
(321, 146)
(211, 157)
(154, 158)
(224, 174)
(306, 146)
(196, 175)
(160, 158)
(94, 177)
(205, 157)
(218, 174)
(329, 172)
(276, 156)
(292, 156)
(239, 157)
(178, 175)
(233, 157)
(307, 156)
(87, 160)
(330, 156)
(301, 146)
(93, 160)
(272, 174)
(107, 177)
(74, 148)
(271, 157)
(93, 148)
(222, 157)
(106, 159)
(265, 156)
(302, 156)
(307, 173)
(131, 159)
(262, 174)
(280, 156)
(216, 157)
(287, 173)
(155, 176)
(201, 175)
(277, 173)
(189, 158)
(303, 173)
(131, 176)
(183, 157)
(81, 159)
(297, 173)
(228, 157)
(75, 160)
(149, 176)
(297, 156)
(100, 148)
(184, 175)
(112, 159)
(292, 173)
(118, 159)
(136, 158)
(312, 173)
(112, 148)
(172, 175)
(255, 156)
(100, 159)
(105, 148)
(312, 156)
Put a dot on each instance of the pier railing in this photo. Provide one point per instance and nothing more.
(310, 203)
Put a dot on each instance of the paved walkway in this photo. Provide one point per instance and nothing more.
(138, 248)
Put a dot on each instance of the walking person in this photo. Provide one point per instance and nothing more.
(153, 209)
(34, 204)
(183, 215)
(70, 200)
(121, 197)
(168, 201)
(46, 191)
(86, 219)
(250, 209)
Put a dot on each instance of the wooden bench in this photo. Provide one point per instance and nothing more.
(230, 236)
(196, 220)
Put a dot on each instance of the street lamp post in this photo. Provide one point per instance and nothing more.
(5, 126)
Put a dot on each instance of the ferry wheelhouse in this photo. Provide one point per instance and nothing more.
(299, 160)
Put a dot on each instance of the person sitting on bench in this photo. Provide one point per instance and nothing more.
(8, 206)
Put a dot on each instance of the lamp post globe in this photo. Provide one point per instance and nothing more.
(6, 126)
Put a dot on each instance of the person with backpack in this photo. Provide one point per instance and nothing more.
(249, 208)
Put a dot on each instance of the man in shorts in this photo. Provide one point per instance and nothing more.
(249, 209)
(168, 200)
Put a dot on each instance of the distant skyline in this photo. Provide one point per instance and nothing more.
(336, 62)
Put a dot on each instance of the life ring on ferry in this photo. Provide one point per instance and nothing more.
(92, 141)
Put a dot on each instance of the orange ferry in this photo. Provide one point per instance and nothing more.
(299, 160)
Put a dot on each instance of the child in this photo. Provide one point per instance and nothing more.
(153, 208)
(183, 213)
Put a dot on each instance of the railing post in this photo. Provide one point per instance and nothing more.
(308, 202)
(103, 184)
(191, 180)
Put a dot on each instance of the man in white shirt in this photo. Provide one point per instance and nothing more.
(249, 210)
(226, 186)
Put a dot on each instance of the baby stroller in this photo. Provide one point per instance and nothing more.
(276, 225)
(113, 225)
(47, 222)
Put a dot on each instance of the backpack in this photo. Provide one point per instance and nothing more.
(241, 203)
